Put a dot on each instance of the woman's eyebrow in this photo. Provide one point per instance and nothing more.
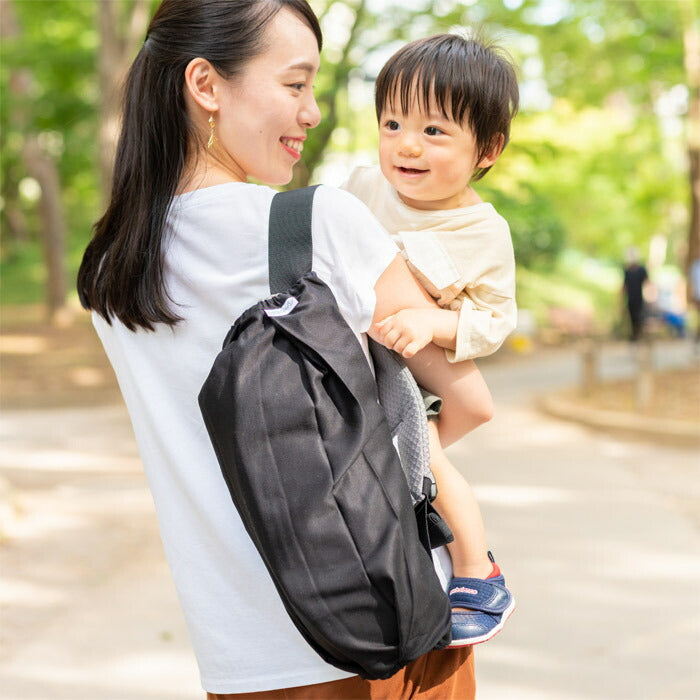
(303, 65)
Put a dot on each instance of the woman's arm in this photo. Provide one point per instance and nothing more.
(466, 399)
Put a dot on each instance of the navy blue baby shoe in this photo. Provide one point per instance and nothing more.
(489, 605)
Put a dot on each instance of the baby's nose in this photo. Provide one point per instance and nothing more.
(409, 148)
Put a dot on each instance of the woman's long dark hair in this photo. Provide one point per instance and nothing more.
(121, 274)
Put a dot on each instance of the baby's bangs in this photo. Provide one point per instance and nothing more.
(429, 81)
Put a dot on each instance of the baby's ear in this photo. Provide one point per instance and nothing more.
(497, 145)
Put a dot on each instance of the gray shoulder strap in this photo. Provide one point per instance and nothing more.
(290, 244)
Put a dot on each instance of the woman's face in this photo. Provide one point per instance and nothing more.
(266, 111)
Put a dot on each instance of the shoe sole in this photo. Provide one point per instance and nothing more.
(457, 643)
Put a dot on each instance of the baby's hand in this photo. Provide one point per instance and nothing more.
(406, 332)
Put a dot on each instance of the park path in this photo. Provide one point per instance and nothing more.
(598, 536)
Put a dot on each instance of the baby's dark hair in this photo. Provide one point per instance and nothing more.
(464, 78)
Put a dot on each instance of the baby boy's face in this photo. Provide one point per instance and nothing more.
(427, 158)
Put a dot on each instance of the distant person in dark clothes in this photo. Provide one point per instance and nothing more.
(635, 277)
(695, 294)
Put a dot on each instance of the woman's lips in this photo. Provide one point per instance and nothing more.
(293, 146)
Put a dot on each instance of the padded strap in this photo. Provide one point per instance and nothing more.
(290, 244)
(487, 595)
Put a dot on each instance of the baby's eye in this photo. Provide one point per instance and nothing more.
(433, 131)
(298, 86)
(392, 125)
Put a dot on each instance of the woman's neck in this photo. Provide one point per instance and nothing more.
(206, 172)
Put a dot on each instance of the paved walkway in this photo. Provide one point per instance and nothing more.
(599, 539)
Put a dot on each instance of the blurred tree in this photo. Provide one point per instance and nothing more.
(593, 149)
(122, 29)
(691, 44)
(590, 163)
(37, 151)
(629, 56)
(332, 83)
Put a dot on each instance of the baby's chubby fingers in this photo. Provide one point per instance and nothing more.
(384, 325)
(392, 338)
(404, 347)
(411, 349)
(383, 328)
(406, 332)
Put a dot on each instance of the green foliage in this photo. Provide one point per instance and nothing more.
(23, 276)
(537, 230)
(573, 282)
(59, 49)
(603, 174)
(590, 166)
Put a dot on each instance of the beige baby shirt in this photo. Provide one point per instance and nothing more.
(463, 257)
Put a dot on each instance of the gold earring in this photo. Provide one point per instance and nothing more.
(211, 131)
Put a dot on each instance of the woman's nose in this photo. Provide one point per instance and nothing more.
(310, 114)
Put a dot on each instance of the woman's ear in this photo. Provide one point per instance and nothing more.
(201, 82)
(492, 155)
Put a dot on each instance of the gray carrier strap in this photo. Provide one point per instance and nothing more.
(290, 244)
(403, 406)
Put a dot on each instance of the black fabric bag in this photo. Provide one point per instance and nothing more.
(291, 408)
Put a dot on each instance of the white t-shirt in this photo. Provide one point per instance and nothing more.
(215, 268)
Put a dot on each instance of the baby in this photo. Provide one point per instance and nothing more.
(444, 106)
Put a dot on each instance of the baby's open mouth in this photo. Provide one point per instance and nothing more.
(411, 171)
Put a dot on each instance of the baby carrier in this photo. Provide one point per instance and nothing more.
(304, 445)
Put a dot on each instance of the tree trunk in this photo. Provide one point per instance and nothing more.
(117, 48)
(323, 132)
(42, 168)
(17, 228)
(691, 46)
(108, 62)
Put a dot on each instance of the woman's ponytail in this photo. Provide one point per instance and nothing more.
(122, 273)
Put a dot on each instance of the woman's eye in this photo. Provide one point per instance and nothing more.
(392, 125)
(433, 131)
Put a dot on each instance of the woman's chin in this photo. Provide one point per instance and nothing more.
(275, 178)
(279, 180)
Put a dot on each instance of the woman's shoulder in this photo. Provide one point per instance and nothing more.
(328, 200)
(339, 204)
(335, 211)
(223, 193)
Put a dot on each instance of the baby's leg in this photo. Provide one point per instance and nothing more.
(456, 504)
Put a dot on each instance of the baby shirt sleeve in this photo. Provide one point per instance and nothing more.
(484, 323)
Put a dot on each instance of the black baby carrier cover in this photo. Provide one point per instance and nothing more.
(291, 408)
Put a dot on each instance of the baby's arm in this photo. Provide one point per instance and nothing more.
(466, 399)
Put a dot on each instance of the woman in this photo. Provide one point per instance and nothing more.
(221, 92)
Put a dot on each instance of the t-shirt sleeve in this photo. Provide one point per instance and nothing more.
(351, 251)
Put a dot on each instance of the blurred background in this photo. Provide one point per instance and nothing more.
(589, 472)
